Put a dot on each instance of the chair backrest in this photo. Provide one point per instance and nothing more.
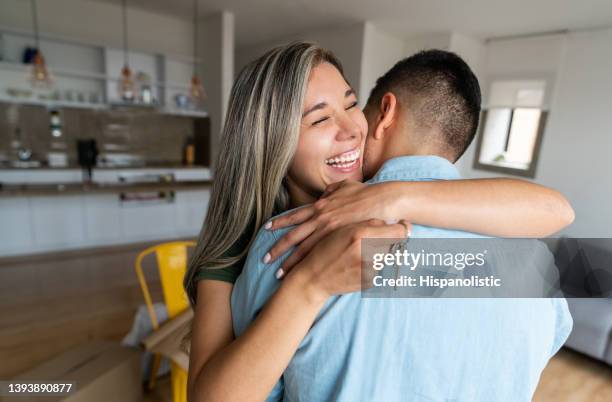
(172, 264)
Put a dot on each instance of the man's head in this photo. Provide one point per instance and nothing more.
(427, 104)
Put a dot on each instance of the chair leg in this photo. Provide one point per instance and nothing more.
(154, 370)
(179, 384)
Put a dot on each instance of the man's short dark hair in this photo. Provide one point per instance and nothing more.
(440, 90)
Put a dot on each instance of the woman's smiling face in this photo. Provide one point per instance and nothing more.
(332, 135)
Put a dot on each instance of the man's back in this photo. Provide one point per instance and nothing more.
(425, 349)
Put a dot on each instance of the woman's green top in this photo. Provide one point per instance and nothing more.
(230, 273)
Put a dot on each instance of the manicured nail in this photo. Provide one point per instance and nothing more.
(267, 258)
(268, 225)
(280, 273)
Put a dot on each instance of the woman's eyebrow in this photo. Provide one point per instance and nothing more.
(318, 106)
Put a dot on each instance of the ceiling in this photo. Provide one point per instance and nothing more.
(261, 20)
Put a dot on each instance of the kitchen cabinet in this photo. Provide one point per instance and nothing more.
(57, 222)
(15, 225)
(102, 218)
(35, 224)
(191, 210)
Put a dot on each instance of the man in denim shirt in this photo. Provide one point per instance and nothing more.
(419, 349)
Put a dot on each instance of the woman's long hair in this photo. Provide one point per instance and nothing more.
(258, 142)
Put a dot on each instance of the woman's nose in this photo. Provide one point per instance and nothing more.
(348, 129)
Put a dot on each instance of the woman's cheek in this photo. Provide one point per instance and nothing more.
(362, 122)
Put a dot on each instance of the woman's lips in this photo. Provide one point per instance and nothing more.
(346, 167)
(344, 158)
(345, 162)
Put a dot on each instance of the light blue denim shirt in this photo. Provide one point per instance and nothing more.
(409, 350)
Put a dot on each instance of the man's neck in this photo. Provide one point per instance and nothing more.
(420, 150)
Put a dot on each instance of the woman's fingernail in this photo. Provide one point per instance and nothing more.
(268, 225)
(280, 273)
(267, 258)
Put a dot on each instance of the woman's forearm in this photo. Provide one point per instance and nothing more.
(248, 368)
(495, 207)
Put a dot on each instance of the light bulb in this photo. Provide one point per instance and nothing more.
(196, 91)
(127, 88)
(39, 75)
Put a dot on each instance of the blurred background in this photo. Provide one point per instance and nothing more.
(110, 115)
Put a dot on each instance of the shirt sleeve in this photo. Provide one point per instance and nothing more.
(564, 324)
(228, 274)
(277, 392)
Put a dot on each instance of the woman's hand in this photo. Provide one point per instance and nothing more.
(342, 203)
(334, 265)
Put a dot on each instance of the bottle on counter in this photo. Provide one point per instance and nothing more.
(189, 152)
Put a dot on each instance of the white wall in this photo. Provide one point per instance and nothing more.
(440, 40)
(217, 67)
(346, 43)
(100, 23)
(575, 153)
(381, 51)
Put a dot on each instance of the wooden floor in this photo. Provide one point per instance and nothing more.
(569, 377)
(572, 377)
(51, 303)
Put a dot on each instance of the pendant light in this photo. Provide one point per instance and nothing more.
(196, 90)
(39, 75)
(127, 88)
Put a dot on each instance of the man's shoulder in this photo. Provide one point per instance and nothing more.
(263, 242)
(257, 282)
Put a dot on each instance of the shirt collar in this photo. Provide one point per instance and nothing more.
(417, 168)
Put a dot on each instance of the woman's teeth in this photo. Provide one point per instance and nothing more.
(344, 160)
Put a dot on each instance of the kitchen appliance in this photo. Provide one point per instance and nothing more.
(87, 155)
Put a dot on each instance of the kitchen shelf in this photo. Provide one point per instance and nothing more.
(102, 106)
(52, 103)
(13, 66)
(181, 112)
(84, 69)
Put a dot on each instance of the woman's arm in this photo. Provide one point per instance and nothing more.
(495, 207)
(247, 368)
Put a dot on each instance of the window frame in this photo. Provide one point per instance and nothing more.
(529, 172)
(549, 78)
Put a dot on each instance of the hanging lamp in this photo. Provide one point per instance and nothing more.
(127, 87)
(196, 90)
(39, 74)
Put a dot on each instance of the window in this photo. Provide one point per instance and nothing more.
(511, 127)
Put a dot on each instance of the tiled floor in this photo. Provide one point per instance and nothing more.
(569, 377)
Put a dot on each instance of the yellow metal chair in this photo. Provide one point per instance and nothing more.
(172, 265)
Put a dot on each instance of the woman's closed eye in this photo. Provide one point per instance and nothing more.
(352, 105)
(325, 118)
(321, 120)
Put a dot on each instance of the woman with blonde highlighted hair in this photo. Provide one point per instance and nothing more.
(290, 113)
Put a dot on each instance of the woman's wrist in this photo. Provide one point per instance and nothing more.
(301, 283)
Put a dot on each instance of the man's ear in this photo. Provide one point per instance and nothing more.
(387, 113)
